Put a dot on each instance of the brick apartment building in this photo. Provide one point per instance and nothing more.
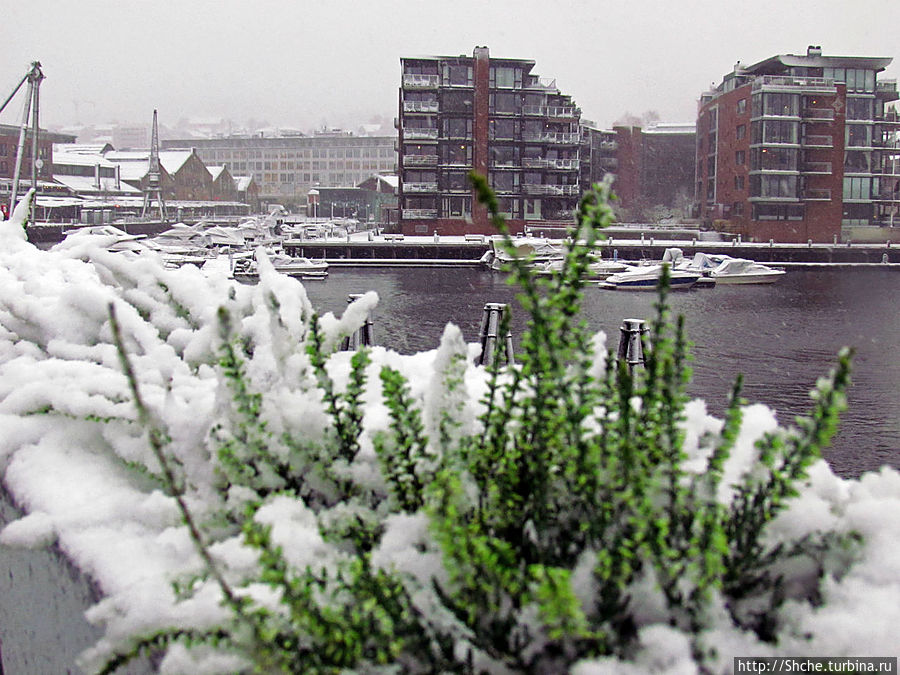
(652, 166)
(794, 148)
(459, 113)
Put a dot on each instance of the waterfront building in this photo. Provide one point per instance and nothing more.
(89, 174)
(190, 179)
(493, 115)
(798, 148)
(285, 167)
(224, 187)
(652, 167)
(9, 143)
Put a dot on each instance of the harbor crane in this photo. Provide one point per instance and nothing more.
(33, 77)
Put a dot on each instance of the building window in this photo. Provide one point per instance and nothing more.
(774, 159)
(777, 212)
(740, 157)
(506, 129)
(739, 182)
(737, 209)
(460, 75)
(457, 206)
(456, 153)
(741, 131)
(506, 77)
(741, 106)
(504, 155)
(774, 131)
(502, 102)
(858, 135)
(458, 127)
(857, 161)
(859, 188)
(508, 207)
(774, 186)
(860, 108)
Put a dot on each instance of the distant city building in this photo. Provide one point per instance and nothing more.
(493, 115)
(651, 167)
(798, 147)
(286, 167)
(130, 136)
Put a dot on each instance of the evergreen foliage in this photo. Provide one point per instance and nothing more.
(544, 523)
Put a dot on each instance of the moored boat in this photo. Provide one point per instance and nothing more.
(646, 277)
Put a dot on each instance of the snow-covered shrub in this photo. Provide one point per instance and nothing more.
(250, 500)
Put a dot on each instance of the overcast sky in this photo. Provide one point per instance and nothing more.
(337, 62)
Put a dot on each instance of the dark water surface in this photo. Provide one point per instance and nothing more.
(782, 337)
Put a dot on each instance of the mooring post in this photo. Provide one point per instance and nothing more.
(631, 349)
(489, 334)
(364, 336)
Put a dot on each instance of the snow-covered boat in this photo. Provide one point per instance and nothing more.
(245, 269)
(597, 270)
(646, 277)
(742, 271)
(536, 251)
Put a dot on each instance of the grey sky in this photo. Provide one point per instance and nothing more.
(303, 63)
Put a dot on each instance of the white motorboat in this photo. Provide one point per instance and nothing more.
(597, 270)
(246, 269)
(743, 271)
(535, 251)
(646, 277)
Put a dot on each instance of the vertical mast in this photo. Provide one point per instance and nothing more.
(153, 176)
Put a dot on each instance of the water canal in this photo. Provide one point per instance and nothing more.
(782, 337)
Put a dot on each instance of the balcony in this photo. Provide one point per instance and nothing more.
(816, 168)
(609, 145)
(549, 111)
(556, 137)
(816, 195)
(420, 187)
(824, 85)
(551, 190)
(818, 114)
(420, 160)
(541, 84)
(419, 214)
(413, 81)
(420, 133)
(421, 106)
(559, 164)
(887, 89)
(818, 141)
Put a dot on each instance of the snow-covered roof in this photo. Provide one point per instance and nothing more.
(215, 171)
(242, 182)
(391, 179)
(80, 148)
(171, 160)
(671, 128)
(133, 170)
(88, 184)
(61, 158)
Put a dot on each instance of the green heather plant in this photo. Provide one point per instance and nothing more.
(571, 497)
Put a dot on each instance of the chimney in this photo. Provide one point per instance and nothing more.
(814, 50)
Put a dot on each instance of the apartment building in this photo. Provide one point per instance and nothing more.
(286, 167)
(799, 147)
(651, 166)
(493, 115)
